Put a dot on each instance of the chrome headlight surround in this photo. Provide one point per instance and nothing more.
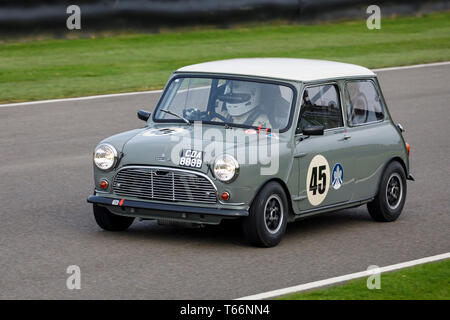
(105, 156)
(226, 168)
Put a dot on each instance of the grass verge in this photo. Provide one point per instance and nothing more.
(45, 69)
(429, 281)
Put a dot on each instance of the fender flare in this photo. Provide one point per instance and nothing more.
(402, 163)
(286, 191)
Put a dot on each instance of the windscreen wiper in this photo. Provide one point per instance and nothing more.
(228, 125)
(176, 115)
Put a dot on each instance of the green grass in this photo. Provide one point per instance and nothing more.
(424, 282)
(43, 69)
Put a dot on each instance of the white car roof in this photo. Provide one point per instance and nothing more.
(281, 68)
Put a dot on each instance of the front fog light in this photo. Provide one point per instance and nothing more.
(103, 184)
(105, 156)
(225, 196)
(226, 168)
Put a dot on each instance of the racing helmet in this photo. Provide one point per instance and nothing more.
(240, 97)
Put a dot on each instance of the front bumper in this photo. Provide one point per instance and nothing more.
(175, 212)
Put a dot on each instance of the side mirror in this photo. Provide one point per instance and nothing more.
(313, 131)
(143, 115)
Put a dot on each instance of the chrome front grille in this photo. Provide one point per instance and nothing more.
(158, 183)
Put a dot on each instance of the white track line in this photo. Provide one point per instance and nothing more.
(6, 105)
(415, 66)
(18, 104)
(326, 282)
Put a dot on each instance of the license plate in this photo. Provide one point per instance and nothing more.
(191, 158)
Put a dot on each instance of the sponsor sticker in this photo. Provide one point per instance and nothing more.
(250, 131)
(337, 176)
(117, 202)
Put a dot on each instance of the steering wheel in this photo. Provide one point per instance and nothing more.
(194, 114)
(360, 104)
(216, 115)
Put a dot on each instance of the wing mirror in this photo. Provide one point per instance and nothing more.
(143, 115)
(313, 131)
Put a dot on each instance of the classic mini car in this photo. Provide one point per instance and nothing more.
(266, 141)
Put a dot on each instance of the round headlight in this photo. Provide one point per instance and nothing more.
(226, 168)
(105, 156)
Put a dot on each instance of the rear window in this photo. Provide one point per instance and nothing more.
(363, 103)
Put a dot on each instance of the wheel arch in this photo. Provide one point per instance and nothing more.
(286, 191)
(397, 159)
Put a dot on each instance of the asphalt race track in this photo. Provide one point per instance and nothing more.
(46, 224)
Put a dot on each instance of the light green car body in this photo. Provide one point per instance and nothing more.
(363, 156)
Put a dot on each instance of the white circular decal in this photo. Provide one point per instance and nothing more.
(161, 131)
(317, 180)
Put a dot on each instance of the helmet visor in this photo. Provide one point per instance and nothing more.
(235, 98)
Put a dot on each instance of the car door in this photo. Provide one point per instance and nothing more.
(325, 163)
(370, 131)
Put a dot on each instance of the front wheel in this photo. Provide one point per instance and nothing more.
(266, 223)
(388, 203)
(109, 221)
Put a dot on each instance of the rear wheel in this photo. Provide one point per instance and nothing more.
(266, 223)
(388, 204)
(109, 221)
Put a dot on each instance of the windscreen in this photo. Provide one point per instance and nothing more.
(241, 103)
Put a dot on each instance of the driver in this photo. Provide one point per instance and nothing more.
(241, 104)
(357, 106)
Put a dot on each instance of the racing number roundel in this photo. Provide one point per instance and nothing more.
(317, 180)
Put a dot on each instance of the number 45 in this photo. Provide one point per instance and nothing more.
(313, 186)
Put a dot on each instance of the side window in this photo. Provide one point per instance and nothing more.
(363, 103)
(320, 106)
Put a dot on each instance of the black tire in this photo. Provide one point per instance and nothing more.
(109, 221)
(388, 203)
(261, 227)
